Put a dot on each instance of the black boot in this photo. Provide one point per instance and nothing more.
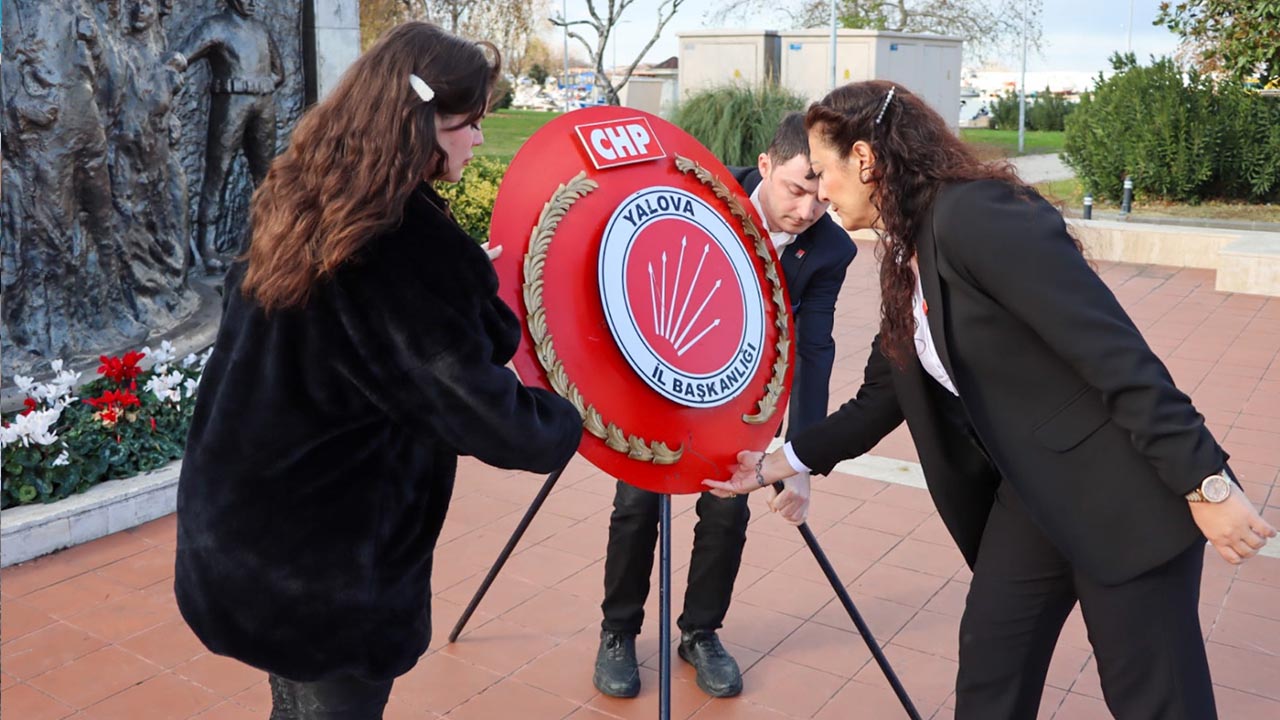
(617, 672)
(718, 673)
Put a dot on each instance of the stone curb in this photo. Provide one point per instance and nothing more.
(30, 531)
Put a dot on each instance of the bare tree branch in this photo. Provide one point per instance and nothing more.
(604, 21)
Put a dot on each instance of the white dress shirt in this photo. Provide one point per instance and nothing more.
(780, 239)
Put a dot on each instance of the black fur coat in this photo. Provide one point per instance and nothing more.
(322, 454)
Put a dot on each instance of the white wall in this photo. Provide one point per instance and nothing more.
(337, 40)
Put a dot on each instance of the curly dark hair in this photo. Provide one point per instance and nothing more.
(916, 155)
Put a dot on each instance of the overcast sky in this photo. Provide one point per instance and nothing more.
(1079, 34)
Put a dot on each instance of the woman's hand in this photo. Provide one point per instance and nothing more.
(742, 478)
(493, 253)
(793, 502)
(754, 470)
(1233, 526)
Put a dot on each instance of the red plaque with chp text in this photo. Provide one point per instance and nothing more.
(650, 293)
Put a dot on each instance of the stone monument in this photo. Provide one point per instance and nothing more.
(133, 133)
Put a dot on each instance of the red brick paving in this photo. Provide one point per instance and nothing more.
(92, 632)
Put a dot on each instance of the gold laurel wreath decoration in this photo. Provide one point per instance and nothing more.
(768, 404)
(636, 448)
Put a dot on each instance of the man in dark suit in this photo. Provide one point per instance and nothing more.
(815, 253)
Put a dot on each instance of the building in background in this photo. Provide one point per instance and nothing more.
(800, 60)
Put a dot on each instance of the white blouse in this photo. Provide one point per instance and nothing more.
(925, 348)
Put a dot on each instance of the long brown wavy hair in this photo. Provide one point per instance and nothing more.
(357, 156)
(916, 154)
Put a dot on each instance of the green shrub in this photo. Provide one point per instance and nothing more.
(1046, 111)
(1049, 112)
(503, 94)
(1181, 138)
(736, 122)
(471, 200)
(1004, 111)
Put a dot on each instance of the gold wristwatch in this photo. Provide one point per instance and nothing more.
(1213, 489)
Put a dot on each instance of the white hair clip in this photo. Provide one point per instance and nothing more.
(421, 87)
(887, 99)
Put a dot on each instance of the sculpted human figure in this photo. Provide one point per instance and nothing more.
(246, 69)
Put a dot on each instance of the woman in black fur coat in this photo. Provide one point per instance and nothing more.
(361, 351)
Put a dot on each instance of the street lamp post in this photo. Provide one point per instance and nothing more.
(565, 14)
(1022, 89)
(833, 44)
(1130, 49)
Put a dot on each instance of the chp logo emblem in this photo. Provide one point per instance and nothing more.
(681, 297)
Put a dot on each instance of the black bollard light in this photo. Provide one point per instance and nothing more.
(1126, 204)
(1088, 207)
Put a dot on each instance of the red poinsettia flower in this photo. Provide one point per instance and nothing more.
(121, 370)
(30, 404)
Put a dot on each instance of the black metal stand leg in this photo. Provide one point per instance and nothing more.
(506, 552)
(863, 629)
(664, 608)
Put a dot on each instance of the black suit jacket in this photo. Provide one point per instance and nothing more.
(1073, 407)
(814, 266)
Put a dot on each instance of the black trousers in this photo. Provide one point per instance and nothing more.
(343, 698)
(1145, 632)
(718, 539)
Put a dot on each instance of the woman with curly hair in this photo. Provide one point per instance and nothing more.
(362, 350)
(1061, 457)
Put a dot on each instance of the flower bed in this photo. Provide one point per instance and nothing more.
(68, 437)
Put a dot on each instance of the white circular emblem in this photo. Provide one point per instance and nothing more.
(681, 297)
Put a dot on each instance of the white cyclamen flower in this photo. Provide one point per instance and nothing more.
(190, 360)
(24, 383)
(41, 391)
(166, 353)
(34, 427)
(191, 385)
(56, 366)
(164, 386)
(62, 459)
(9, 434)
(64, 384)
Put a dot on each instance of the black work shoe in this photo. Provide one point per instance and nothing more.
(617, 673)
(718, 673)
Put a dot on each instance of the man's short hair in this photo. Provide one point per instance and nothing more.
(790, 139)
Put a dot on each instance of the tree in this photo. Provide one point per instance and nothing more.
(603, 24)
(987, 26)
(1241, 38)
(508, 24)
(377, 17)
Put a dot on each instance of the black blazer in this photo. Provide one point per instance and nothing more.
(1073, 407)
(814, 267)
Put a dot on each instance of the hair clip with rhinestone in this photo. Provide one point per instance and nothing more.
(887, 99)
